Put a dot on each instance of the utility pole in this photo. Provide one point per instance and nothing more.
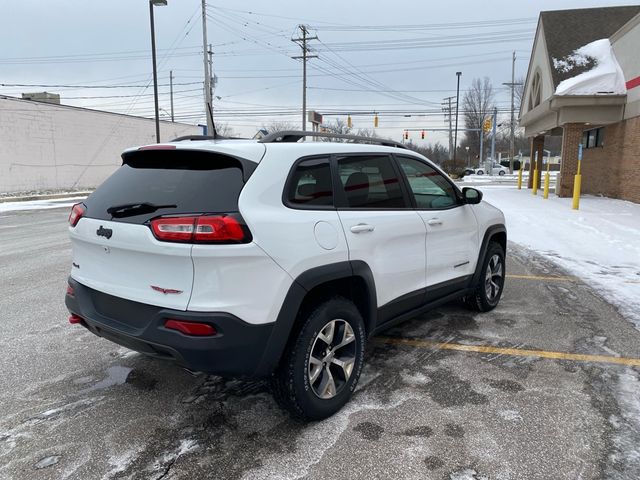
(302, 41)
(513, 85)
(155, 70)
(455, 137)
(171, 92)
(449, 117)
(493, 136)
(211, 129)
(211, 79)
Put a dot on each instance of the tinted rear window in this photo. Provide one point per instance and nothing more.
(195, 182)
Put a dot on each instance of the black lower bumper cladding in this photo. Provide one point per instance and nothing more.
(236, 349)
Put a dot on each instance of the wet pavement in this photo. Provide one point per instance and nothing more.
(76, 406)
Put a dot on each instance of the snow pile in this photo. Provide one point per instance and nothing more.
(599, 244)
(605, 77)
(40, 204)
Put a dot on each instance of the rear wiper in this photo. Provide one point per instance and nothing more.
(129, 209)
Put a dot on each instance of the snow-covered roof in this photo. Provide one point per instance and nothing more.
(595, 68)
(566, 31)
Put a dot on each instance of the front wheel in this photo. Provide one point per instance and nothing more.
(480, 172)
(491, 282)
(322, 364)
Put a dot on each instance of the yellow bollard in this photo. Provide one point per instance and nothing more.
(535, 181)
(545, 194)
(520, 175)
(547, 178)
(577, 181)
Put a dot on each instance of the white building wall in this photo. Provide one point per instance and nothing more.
(625, 44)
(539, 63)
(44, 146)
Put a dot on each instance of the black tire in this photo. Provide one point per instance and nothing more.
(501, 172)
(480, 172)
(487, 296)
(291, 383)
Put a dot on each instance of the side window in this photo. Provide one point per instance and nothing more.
(370, 181)
(310, 183)
(430, 188)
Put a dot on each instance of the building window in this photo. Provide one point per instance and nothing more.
(593, 138)
(535, 94)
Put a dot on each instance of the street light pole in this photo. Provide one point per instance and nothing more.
(153, 57)
(455, 136)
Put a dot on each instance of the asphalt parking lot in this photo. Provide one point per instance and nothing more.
(545, 386)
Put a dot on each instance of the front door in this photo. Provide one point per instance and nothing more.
(452, 230)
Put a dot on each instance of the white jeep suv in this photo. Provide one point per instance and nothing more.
(277, 258)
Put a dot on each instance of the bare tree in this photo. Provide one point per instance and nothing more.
(280, 126)
(337, 126)
(367, 132)
(477, 105)
(224, 129)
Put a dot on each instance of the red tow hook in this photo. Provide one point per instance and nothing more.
(74, 319)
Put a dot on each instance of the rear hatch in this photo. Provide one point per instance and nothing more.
(118, 247)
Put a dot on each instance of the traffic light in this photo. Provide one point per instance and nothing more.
(487, 125)
(422, 135)
(349, 122)
(375, 121)
(406, 134)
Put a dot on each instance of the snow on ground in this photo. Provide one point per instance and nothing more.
(67, 202)
(599, 243)
(605, 77)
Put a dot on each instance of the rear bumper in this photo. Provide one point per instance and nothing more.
(236, 350)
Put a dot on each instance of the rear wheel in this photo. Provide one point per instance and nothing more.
(491, 282)
(322, 364)
(501, 172)
(480, 172)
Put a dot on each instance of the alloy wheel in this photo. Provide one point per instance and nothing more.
(494, 278)
(332, 359)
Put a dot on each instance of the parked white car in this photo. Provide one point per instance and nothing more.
(277, 259)
(496, 169)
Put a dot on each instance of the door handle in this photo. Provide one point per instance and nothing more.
(362, 227)
(434, 221)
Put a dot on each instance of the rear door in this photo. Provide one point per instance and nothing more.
(382, 229)
(114, 248)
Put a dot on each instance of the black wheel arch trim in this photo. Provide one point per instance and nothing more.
(299, 289)
(488, 235)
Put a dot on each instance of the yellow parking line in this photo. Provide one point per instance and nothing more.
(516, 352)
(542, 277)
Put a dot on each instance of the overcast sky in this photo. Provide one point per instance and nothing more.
(396, 58)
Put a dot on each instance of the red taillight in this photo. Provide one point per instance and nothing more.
(176, 229)
(77, 211)
(191, 328)
(70, 291)
(75, 319)
(204, 229)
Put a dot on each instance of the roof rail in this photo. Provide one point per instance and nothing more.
(194, 138)
(290, 136)
(204, 137)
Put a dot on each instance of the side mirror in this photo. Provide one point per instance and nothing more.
(471, 195)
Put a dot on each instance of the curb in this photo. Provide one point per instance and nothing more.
(51, 196)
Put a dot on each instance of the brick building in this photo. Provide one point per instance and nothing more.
(583, 84)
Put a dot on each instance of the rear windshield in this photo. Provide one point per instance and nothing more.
(174, 181)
